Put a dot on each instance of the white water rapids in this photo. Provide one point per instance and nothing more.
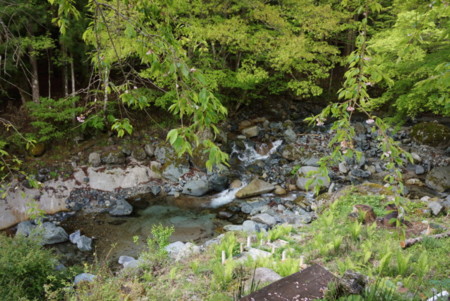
(248, 156)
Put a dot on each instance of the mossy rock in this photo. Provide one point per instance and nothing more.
(37, 150)
(431, 133)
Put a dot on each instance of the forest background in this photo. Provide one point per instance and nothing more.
(76, 66)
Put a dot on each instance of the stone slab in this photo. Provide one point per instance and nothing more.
(309, 284)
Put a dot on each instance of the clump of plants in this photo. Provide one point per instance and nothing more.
(25, 269)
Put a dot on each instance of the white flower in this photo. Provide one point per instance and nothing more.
(370, 121)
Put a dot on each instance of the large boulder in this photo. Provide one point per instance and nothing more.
(303, 178)
(196, 188)
(254, 188)
(439, 178)
(431, 133)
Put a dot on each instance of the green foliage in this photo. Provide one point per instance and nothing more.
(228, 244)
(159, 240)
(414, 53)
(25, 267)
(355, 96)
(279, 231)
(54, 118)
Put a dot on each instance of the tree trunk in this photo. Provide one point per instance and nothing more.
(65, 72)
(72, 74)
(49, 67)
(106, 87)
(34, 77)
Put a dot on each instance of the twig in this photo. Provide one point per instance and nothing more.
(409, 242)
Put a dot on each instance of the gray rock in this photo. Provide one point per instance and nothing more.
(134, 264)
(162, 153)
(149, 150)
(292, 152)
(353, 283)
(359, 173)
(114, 157)
(214, 241)
(246, 208)
(311, 161)
(94, 159)
(25, 228)
(155, 190)
(124, 259)
(435, 207)
(129, 262)
(233, 228)
(218, 183)
(416, 157)
(173, 172)
(254, 254)
(196, 188)
(53, 234)
(419, 170)
(84, 277)
(289, 135)
(250, 132)
(179, 250)
(84, 243)
(302, 178)
(251, 226)
(254, 188)
(120, 208)
(139, 154)
(343, 167)
(75, 236)
(446, 204)
(263, 276)
(265, 218)
(439, 178)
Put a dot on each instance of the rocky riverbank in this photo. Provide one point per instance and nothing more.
(264, 186)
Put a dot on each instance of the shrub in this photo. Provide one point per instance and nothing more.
(25, 267)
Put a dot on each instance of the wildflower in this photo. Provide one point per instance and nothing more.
(350, 108)
(126, 91)
(320, 123)
(135, 88)
(80, 118)
(192, 69)
(149, 52)
(370, 121)
(387, 154)
(369, 84)
(344, 144)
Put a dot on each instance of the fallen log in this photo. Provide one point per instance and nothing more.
(409, 242)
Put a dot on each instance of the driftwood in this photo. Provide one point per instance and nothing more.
(409, 242)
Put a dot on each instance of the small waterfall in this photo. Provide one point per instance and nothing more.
(225, 197)
(250, 155)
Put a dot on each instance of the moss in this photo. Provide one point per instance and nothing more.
(431, 133)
